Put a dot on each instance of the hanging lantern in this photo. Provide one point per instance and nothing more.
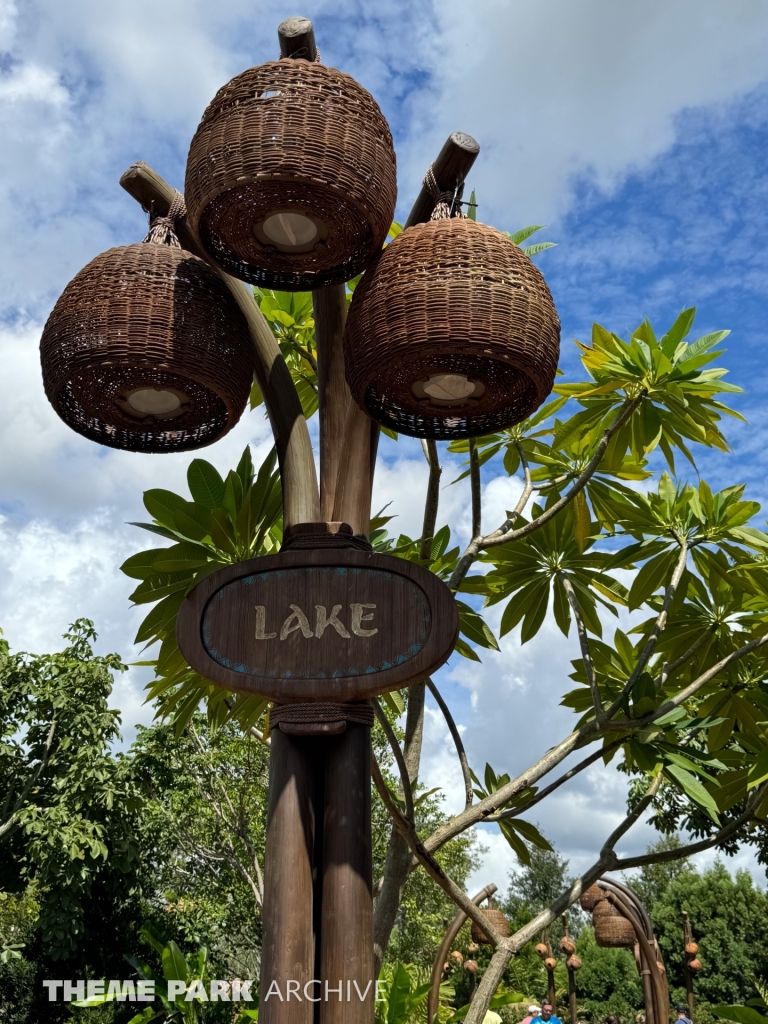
(496, 921)
(291, 177)
(573, 963)
(567, 945)
(452, 333)
(542, 949)
(591, 897)
(146, 349)
(612, 929)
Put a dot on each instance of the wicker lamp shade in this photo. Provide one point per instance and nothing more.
(612, 929)
(147, 350)
(452, 333)
(496, 920)
(291, 176)
(591, 897)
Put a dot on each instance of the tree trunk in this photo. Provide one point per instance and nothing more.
(399, 857)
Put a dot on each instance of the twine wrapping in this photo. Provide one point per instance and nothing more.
(162, 230)
(447, 202)
(307, 716)
(304, 542)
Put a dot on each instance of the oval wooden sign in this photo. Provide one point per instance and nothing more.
(320, 625)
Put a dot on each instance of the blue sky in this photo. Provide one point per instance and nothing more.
(637, 133)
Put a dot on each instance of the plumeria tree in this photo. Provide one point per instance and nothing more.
(677, 698)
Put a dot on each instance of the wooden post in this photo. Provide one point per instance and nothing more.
(288, 952)
(688, 937)
(450, 169)
(346, 956)
(301, 497)
(572, 995)
(551, 988)
(352, 502)
(297, 39)
(330, 314)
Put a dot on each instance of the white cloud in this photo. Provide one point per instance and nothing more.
(554, 90)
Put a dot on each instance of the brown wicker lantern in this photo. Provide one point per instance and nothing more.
(591, 897)
(291, 176)
(452, 333)
(147, 350)
(612, 929)
(496, 920)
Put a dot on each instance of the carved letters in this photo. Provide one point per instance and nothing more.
(298, 621)
(324, 625)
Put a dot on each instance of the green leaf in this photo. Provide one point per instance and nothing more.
(205, 484)
(739, 1014)
(475, 628)
(694, 789)
(174, 965)
(465, 650)
(161, 505)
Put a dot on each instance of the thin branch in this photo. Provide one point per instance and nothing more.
(586, 656)
(477, 498)
(665, 856)
(673, 666)
(495, 801)
(9, 825)
(658, 628)
(428, 862)
(606, 853)
(306, 354)
(465, 771)
(402, 768)
(513, 812)
(475, 545)
(578, 485)
(433, 498)
(683, 695)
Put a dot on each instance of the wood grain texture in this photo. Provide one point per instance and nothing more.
(451, 167)
(288, 947)
(352, 502)
(301, 496)
(346, 944)
(318, 625)
(297, 39)
(330, 314)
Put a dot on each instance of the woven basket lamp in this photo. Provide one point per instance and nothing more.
(612, 929)
(146, 349)
(496, 920)
(453, 333)
(291, 177)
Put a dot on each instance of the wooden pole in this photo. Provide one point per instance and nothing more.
(297, 39)
(330, 313)
(301, 496)
(688, 974)
(352, 502)
(288, 951)
(450, 169)
(346, 957)
(572, 995)
(551, 988)
(452, 931)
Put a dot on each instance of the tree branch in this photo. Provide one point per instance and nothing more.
(433, 498)
(665, 856)
(513, 812)
(428, 862)
(465, 771)
(405, 781)
(658, 628)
